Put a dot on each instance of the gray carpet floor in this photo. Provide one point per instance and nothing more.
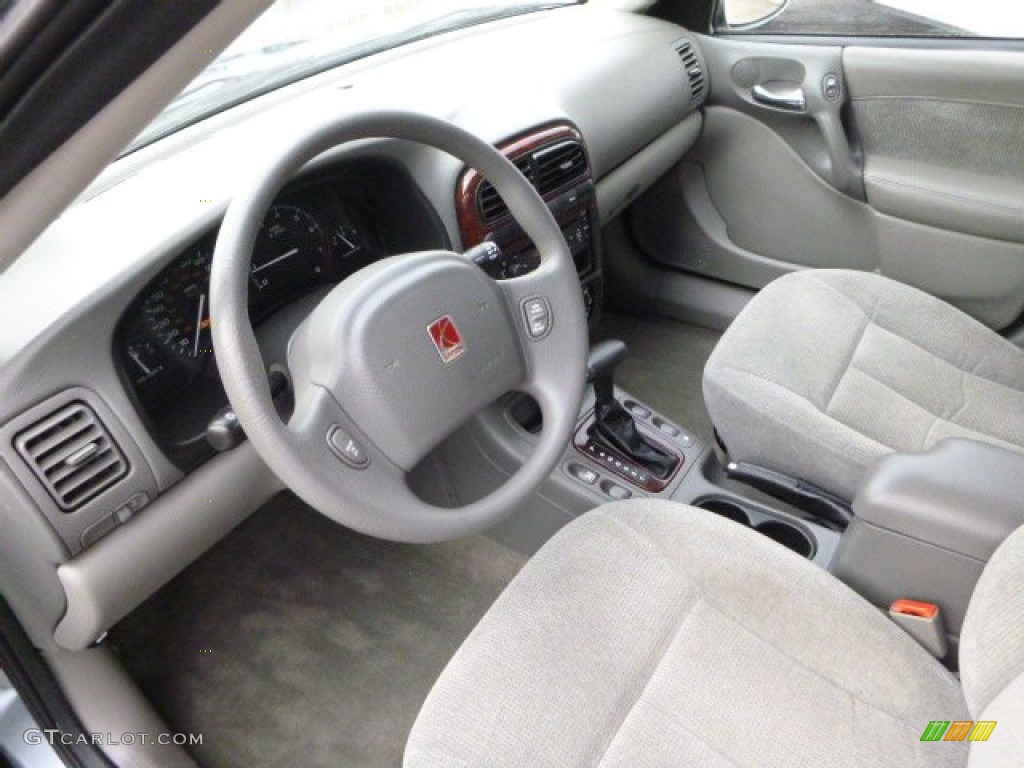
(298, 642)
(664, 368)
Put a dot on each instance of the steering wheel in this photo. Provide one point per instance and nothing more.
(402, 353)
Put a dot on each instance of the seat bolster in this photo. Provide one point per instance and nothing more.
(992, 641)
(764, 424)
(1005, 746)
(649, 633)
(825, 371)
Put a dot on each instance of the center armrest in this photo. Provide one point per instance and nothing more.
(926, 523)
(960, 495)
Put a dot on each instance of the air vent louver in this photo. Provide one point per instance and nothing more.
(547, 169)
(559, 164)
(72, 454)
(489, 202)
(694, 68)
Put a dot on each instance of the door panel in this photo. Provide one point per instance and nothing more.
(907, 162)
(943, 136)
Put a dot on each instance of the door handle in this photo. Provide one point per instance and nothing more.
(780, 94)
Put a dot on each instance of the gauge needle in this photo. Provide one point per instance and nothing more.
(199, 323)
(272, 262)
(135, 356)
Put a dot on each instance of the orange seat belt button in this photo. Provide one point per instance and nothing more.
(915, 608)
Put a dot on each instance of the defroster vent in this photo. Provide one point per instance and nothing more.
(72, 454)
(694, 69)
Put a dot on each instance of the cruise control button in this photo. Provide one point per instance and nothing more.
(347, 448)
(537, 314)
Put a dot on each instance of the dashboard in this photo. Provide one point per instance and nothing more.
(118, 341)
(317, 232)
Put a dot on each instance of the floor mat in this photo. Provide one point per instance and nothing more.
(665, 364)
(298, 642)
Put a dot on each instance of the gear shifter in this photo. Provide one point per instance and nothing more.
(613, 424)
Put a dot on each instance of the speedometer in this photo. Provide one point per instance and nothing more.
(177, 310)
(290, 255)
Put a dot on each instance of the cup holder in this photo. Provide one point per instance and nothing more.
(726, 509)
(787, 535)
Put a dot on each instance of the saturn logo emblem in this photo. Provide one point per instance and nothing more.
(445, 335)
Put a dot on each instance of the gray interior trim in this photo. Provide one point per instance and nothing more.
(678, 225)
(902, 43)
(977, 76)
(983, 277)
(884, 566)
(972, 203)
(108, 702)
(743, 73)
(29, 552)
(620, 188)
(961, 495)
(834, 229)
(645, 288)
(749, 230)
(108, 580)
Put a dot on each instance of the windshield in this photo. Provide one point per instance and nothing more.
(294, 39)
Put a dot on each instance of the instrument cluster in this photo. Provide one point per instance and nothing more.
(311, 238)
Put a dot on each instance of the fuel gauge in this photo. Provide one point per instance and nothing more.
(347, 240)
(146, 362)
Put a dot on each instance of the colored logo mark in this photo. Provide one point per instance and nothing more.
(958, 730)
(446, 338)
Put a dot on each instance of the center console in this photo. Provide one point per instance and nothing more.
(622, 448)
(554, 159)
(926, 524)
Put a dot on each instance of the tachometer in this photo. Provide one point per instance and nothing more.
(289, 255)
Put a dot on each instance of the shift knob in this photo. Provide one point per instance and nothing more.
(601, 363)
(604, 357)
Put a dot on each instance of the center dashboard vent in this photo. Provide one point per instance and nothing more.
(548, 168)
(694, 69)
(72, 454)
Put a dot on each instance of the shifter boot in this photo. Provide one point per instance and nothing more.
(614, 426)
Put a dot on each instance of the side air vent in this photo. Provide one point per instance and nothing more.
(547, 169)
(694, 69)
(72, 454)
(559, 164)
(489, 202)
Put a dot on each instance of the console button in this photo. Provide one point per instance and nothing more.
(347, 448)
(615, 491)
(637, 410)
(584, 474)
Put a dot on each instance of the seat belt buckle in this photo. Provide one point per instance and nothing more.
(923, 622)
